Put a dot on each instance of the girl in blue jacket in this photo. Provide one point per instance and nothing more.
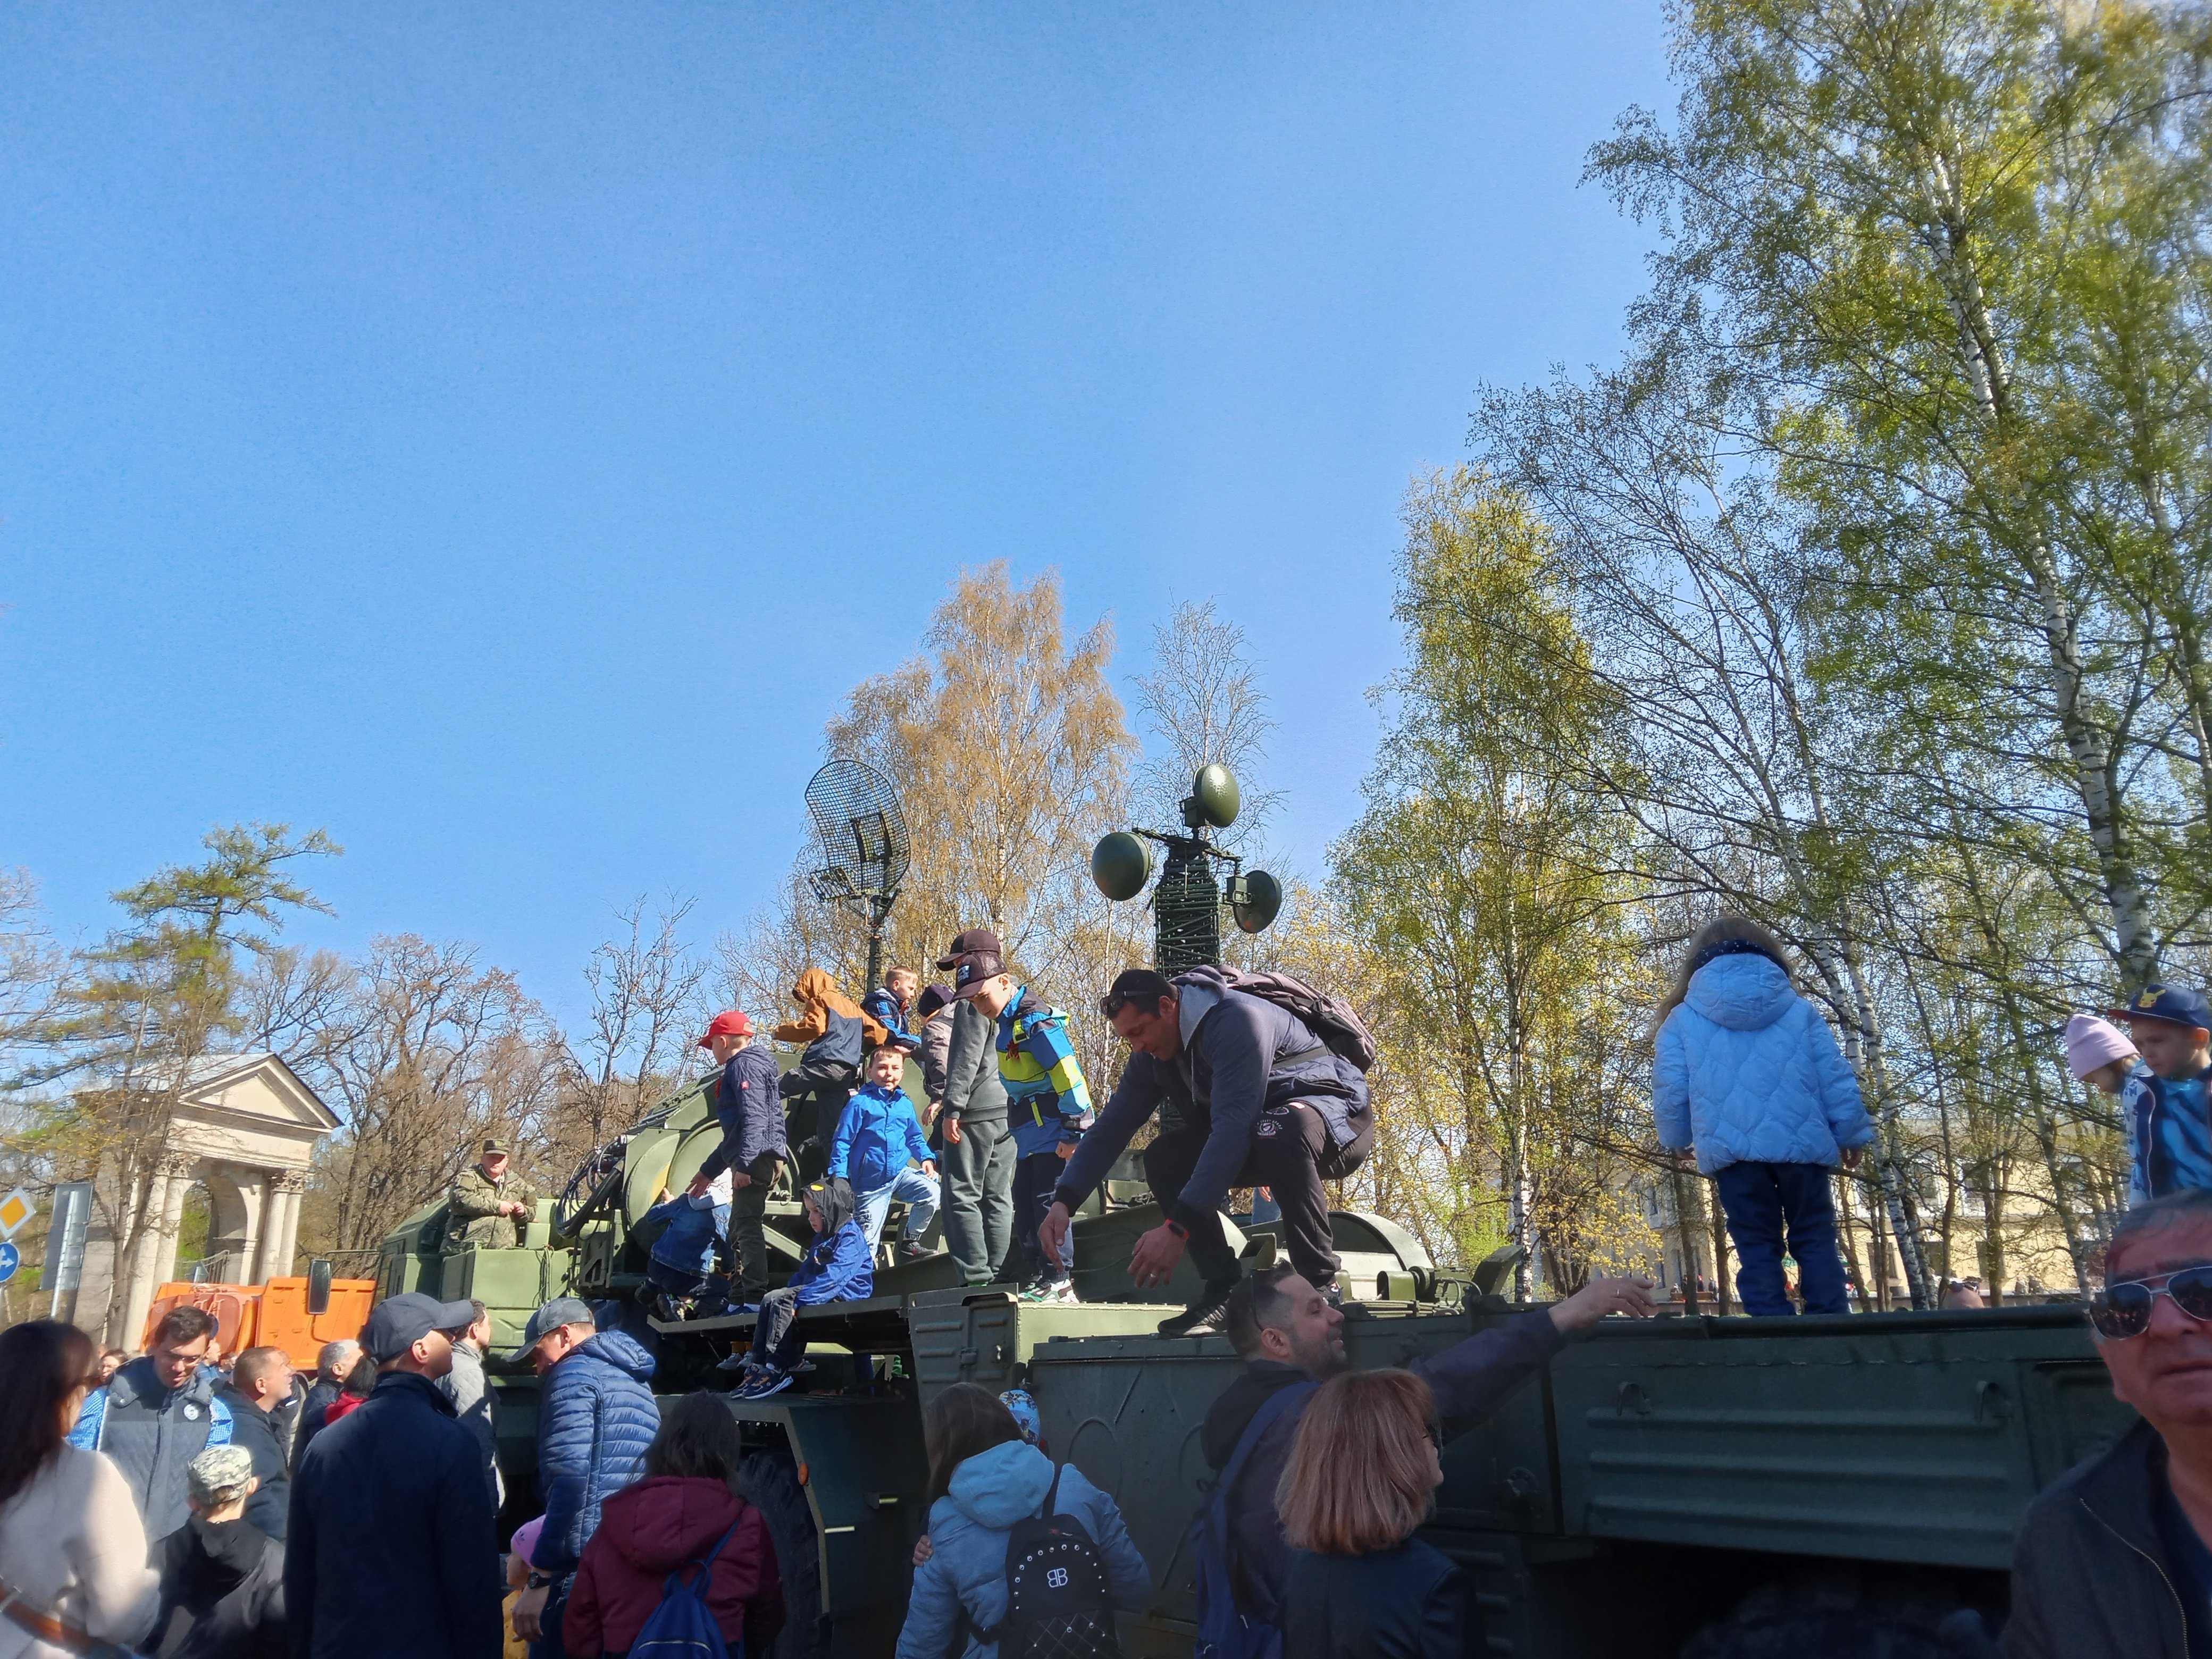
(984, 1477)
(1748, 1074)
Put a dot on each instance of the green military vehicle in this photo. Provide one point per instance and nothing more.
(1661, 1473)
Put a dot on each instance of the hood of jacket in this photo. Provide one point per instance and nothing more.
(622, 1353)
(664, 1521)
(1743, 993)
(998, 1488)
(818, 997)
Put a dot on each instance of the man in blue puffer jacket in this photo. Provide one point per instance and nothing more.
(595, 1419)
(1747, 1072)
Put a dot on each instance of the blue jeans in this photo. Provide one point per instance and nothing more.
(1762, 1201)
(912, 1188)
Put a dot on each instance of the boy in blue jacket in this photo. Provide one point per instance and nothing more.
(692, 1229)
(878, 1140)
(839, 1267)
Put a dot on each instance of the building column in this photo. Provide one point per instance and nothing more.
(154, 1260)
(253, 1192)
(284, 1231)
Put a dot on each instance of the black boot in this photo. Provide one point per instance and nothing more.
(1207, 1316)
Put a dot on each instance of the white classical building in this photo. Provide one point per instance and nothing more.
(245, 1128)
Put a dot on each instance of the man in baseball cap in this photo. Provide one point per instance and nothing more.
(414, 1324)
(2166, 1112)
(979, 1151)
(391, 1529)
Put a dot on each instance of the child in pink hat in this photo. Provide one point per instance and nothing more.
(2099, 1052)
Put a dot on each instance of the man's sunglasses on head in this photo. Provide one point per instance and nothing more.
(2124, 1310)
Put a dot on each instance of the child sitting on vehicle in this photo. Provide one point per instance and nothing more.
(878, 1140)
(692, 1230)
(839, 1267)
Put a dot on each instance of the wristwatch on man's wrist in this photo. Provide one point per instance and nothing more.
(540, 1581)
(1177, 1229)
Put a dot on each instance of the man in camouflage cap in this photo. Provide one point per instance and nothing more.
(488, 1205)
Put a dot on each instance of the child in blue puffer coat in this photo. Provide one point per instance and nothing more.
(1747, 1073)
(984, 1477)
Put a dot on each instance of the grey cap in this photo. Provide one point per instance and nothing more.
(397, 1323)
(561, 1310)
(218, 1474)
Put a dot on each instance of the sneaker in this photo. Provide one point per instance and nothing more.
(911, 1251)
(1207, 1316)
(736, 1362)
(765, 1383)
(1062, 1295)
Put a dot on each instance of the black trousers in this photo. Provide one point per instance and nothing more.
(1290, 1152)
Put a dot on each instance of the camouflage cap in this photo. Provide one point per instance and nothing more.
(493, 1147)
(218, 1474)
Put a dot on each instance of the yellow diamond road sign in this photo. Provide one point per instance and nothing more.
(15, 1210)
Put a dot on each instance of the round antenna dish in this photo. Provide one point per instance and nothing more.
(1121, 864)
(1258, 900)
(865, 848)
(1215, 792)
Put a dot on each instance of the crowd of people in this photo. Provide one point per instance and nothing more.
(195, 1505)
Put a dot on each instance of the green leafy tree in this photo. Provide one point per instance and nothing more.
(135, 1015)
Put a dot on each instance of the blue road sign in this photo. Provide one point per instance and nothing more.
(10, 1259)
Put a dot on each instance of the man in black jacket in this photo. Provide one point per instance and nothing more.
(260, 1382)
(978, 1162)
(2111, 1560)
(1288, 1334)
(392, 1547)
(331, 1365)
(1263, 1101)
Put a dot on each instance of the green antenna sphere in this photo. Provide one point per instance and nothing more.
(1257, 899)
(1121, 864)
(1215, 792)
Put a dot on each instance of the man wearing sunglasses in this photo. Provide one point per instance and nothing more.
(2111, 1560)
(2165, 1105)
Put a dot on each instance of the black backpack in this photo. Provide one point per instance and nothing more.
(1334, 1021)
(1057, 1603)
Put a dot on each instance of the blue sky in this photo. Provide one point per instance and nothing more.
(501, 436)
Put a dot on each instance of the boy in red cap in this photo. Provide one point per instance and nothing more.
(752, 1116)
(2165, 1107)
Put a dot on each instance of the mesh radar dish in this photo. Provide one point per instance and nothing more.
(865, 848)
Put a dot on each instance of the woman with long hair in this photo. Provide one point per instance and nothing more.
(688, 1508)
(1362, 1474)
(72, 1549)
(983, 1477)
(1746, 1072)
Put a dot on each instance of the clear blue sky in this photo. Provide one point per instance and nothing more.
(501, 436)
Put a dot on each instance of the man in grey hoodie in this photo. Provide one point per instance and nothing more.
(474, 1403)
(978, 1147)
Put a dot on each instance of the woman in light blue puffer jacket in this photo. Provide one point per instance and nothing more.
(983, 1477)
(1747, 1072)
